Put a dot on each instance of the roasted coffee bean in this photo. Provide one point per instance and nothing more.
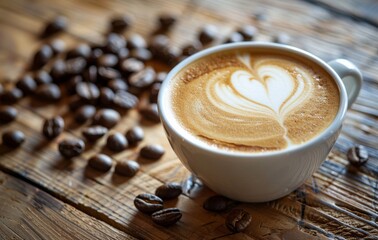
(108, 74)
(75, 66)
(107, 60)
(148, 203)
(281, 38)
(101, 162)
(234, 37)
(122, 54)
(7, 114)
(42, 56)
(192, 48)
(169, 191)
(158, 44)
(150, 112)
(58, 46)
(72, 83)
(26, 84)
(125, 100)
(131, 65)
(95, 55)
(134, 135)
(127, 168)
(152, 151)
(358, 155)
(1, 89)
(58, 24)
(75, 103)
(217, 203)
(106, 96)
(13, 138)
(116, 142)
(80, 51)
(94, 133)
(142, 54)
(90, 74)
(118, 85)
(87, 91)
(120, 24)
(115, 42)
(136, 41)
(142, 79)
(248, 32)
(171, 55)
(238, 220)
(160, 77)
(42, 77)
(70, 148)
(48, 92)
(166, 217)
(154, 92)
(166, 21)
(58, 71)
(53, 127)
(84, 113)
(207, 34)
(11, 96)
(106, 117)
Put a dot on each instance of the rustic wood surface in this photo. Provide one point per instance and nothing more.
(339, 202)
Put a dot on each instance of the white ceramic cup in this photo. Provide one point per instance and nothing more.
(258, 177)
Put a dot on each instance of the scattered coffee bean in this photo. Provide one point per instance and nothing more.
(238, 220)
(191, 48)
(58, 46)
(11, 96)
(108, 74)
(154, 92)
(94, 56)
(106, 96)
(58, 71)
(107, 60)
(94, 133)
(90, 74)
(160, 77)
(125, 100)
(248, 32)
(118, 85)
(7, 114)
(56, 25)
(106, 117)
(13, 138)
(358, 155)
(136, 41)
(148, 203)
(42, 56)
(166, 21)
(27, 85)
(131, 65)
(82, 50)
(135, 135)
(87, 91)
(127, 168)
(142, 54)
(101, 162)
(122, 54)
(169, 191)
(207, 34)
(53, 127)
(1, 89)
(70, 148)
(166, 217)
(142, 79)
(281, 38)
(115, 42)
(171, 55)
(42, 77)
(120, 24)
(150, 112)
(116, 142)
(84, 113)
(152, 151)
(234, 37)
(75, 66)
(48, 92)
(217, 203)
(72, 84)
(158, 44)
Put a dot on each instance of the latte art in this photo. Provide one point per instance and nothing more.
(254, 102)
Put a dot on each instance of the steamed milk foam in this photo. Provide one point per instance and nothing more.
(245, 100)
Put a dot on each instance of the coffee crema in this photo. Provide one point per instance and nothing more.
(254, 100)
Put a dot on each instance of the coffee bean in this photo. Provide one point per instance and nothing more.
(108, 74)
(87, 91)
(48, 92)
(171, 55)
(115, 42)
(101, 162)
(358, 155)
(106, 96)
(1, 89)
(143, 78)
(13, 138)
(75, 66)
(58, 46)
(90, 74)
(11, 96)
(82, 50)
(248, 32)
(154, 92)
(7, 114)
(84, 113)
(281, 38)
(135, 135)
(72, 84)
(118, 85)
(136, 41)
(166, 217)
(238, 220)
(42, 77)
(158, 44)
(148, 203)
(26, 84)
(234, 37)
(217, 203)
(70, 148)
(116, 142)
(166, 21)
(169, 191)
(192, 48)
(58, 24)
(94, 133)
(106, 117)
(152, 151)
(127, 168)
(122, 54)
(107, 60)
(150, 112)
(125, 100)
(160, 77)
(42, 56)
(207, 34)
(53, 127)
(58, 71)
(131, 65)
(142, 54)
(120, 24)
(95, 55)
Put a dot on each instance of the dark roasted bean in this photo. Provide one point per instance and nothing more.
(87, 91)
(27, 84)
(58, 46)
(281, 38)
(53, 127)
(136, 41)
(192, 48)
(148, 203)
(217, 203)
(154, 92)
(150, 112)
(234, 37)
(142, 79)
(358, 155)
(125, 100)
(80, 51)
(169, 190)
(160, 77)
(116, 142)
(58, 71)
(11, 96)
(42, 56)
(142, 54)
(48, 92)
(70, 148)
(115, 42)
(238, 220)
(131, 65)
(72, 84)
(58, 24)
(120, 24)
(13, 138)
(101, 162)
(42, 77)
(106, 96)
(107, 60)
(135, 135)
(207, 34)
(122, 54)
(84, 113)
(95, 55)
(7, 114)
(166, 21)
(108, 74)
(166, 217)
(90, 74)
(158, 44)
(106, 117)
(127, 168)
(118, 85)
(75, 66)
(94, 133)
(152, 151)
(248, 32)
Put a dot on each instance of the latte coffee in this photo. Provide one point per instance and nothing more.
(254, 100)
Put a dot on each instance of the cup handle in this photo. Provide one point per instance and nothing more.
(350, 76)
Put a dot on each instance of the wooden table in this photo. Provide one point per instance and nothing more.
(46, 197)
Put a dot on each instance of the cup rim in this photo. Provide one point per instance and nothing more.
(323, 136)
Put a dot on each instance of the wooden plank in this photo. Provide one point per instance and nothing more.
(30, 213)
